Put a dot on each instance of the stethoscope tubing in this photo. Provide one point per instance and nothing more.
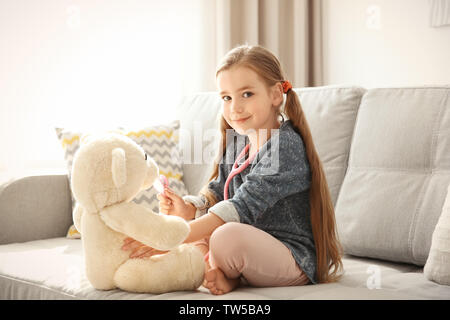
(238, 169)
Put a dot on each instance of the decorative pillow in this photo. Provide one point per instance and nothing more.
(437, 267)
(160, 142)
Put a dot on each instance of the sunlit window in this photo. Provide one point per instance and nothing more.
(89, 64)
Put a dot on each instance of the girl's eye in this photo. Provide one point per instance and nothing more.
(246, 94)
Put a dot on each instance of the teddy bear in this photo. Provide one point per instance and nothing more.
(108, 171)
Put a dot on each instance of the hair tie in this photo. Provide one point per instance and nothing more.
(286, 86)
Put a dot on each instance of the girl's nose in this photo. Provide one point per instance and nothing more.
(236, 107)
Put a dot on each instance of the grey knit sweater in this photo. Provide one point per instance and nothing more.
(271, 194)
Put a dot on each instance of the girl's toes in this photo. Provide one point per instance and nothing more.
(207, 284)
(215, 291)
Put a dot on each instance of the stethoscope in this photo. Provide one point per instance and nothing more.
(238, 169)
(162, 182)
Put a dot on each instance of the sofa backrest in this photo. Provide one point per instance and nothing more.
(199, 121)
(331, 114)
(398, 173)
(386, 156)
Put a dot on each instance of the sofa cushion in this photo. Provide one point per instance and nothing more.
(54, 269)
(398, 171)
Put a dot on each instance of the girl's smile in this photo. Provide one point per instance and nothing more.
(242, 120)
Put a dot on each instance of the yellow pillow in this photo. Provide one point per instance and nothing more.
(159, 141)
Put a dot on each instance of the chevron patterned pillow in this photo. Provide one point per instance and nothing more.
(160, 142)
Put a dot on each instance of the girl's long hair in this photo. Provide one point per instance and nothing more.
(328, 247)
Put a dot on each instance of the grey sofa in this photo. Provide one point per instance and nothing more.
(386, 153)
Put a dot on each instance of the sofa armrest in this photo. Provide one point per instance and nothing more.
(35, 207)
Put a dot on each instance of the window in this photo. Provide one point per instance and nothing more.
(89, 64)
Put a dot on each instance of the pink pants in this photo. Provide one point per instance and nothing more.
(259, 259)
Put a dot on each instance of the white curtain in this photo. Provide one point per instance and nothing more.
(439, 13)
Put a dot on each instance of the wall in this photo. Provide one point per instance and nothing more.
(379, 43)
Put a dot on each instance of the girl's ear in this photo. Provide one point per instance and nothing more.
(277, 94)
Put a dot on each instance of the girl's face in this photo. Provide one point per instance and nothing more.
(247, 102)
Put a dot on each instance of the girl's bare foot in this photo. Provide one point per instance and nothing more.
(217, 283)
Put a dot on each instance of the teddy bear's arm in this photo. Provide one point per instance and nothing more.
(159, 231)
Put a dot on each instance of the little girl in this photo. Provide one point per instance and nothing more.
(259, 226)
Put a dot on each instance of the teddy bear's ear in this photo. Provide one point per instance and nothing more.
(85, 138)
(119, 167)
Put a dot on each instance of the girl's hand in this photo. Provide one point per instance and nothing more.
(139, 250)
(172, 204)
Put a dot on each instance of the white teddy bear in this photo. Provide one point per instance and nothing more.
(107, 173)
